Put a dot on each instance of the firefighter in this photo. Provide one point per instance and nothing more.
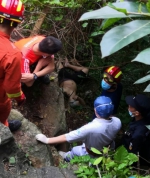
(11, 13)
(111, 86)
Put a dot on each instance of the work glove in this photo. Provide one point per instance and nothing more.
(42, 138)
(21, 99)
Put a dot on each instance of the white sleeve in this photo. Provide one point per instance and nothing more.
(77, 135)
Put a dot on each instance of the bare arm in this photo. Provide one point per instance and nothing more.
(47, 65)
(59, 139)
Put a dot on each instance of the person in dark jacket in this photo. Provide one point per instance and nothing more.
(111, 86)
(137, 132)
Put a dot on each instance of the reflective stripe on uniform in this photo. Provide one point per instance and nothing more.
(14, 95)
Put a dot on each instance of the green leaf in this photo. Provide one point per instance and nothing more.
(84, 25)
(97, 33)
(148, 6)
(118, 9)
(121, 166)
(121, 36)
(120, 154)
(108, 22)
(132, 158)
(98, 160)
(105, 150)
(148, 126)
(54, 2)
(12, 160)
(143, 57)
(111, 164)
(107, 12)
(143, 79)
(147, 89)
(59, 18)
(80, 170)
(90, 40)
(103, 13)
(95, 150)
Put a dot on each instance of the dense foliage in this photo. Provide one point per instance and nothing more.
(81, 38)
(135, 27)
(122, 29)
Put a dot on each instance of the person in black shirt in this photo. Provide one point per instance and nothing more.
(69, 76)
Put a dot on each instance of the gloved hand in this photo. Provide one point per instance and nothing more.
(42, 138)
(21, 99)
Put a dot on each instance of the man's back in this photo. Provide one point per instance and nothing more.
(9, 56)
(97, 134)
(25, 45)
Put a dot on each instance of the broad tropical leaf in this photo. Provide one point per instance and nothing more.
(120, 36)
(147, 89)
(143, 79)
(103, 13)
(107, 12)
(148, 126)
(143, 57)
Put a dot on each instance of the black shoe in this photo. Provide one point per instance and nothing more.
(45, 79)
(14, 125)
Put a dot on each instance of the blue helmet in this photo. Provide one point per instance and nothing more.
(103, 106)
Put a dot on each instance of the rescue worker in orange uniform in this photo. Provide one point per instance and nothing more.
(38, 50)
(11, 13)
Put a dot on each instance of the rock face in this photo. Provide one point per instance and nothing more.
(38, 153)
(21, 156)
(5, 134)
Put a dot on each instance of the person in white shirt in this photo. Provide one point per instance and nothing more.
(99, 133)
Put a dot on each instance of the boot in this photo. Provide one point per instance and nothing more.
(14, 125)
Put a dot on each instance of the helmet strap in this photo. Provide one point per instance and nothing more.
(113, 87)
(1, 20)
(11, 23)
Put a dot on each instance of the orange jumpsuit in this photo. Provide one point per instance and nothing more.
(10, 75)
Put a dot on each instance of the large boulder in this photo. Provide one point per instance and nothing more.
(45, 107)
(21, 156)
(39, 154)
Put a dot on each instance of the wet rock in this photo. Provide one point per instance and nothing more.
(5, 134)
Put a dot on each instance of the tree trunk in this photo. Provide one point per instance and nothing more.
(39, 22)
